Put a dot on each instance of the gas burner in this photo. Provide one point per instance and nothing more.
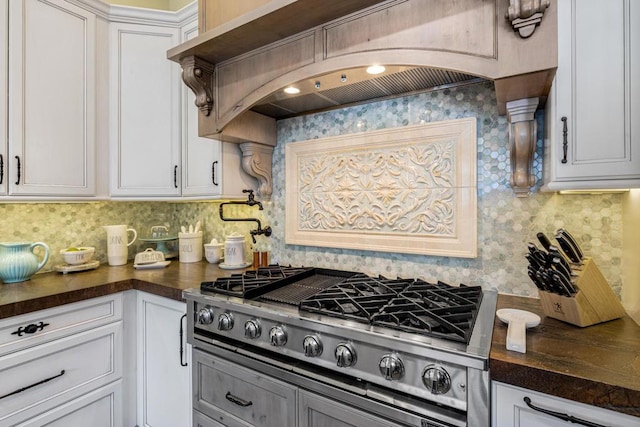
(438, 310)
(356, 298)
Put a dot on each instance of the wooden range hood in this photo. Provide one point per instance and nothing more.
(239, 67)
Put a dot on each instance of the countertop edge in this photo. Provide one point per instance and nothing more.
(55, 300)
(582, 390)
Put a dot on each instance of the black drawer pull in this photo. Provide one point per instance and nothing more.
(1, 168)
(240, 402)
(182, 352)
(30, 329)
(213, 173)
(19, 169)
(565, 143)
(32, 385)
(175, 176)
(560, 415)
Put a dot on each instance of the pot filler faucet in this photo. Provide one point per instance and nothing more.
(249, 202)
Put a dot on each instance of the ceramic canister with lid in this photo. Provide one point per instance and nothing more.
(234, 249)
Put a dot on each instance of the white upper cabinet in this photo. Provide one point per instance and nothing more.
(200, 156)
(4, 86)
(596, 90)
(48, 77)
(144, 111)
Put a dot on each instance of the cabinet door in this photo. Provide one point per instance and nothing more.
(201, 156)
(596, 90)
(144, 111)
(100, 408)
(510, 410)
(164, 392)
(317, 411)
(4, 40)
(51, 99)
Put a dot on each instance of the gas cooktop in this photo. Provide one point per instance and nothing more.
(409, 305)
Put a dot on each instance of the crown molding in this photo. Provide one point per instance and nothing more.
(138, 15)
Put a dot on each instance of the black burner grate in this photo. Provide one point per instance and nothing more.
(356, 298)
(440, 310)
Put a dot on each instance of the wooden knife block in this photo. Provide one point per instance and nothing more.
(594, 303)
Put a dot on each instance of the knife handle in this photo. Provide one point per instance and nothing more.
(567, 248)
(544, 240)
(572, 241)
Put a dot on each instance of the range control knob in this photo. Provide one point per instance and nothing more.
(277, 336)
(391, 367)
(312, 346)
(345, 355)
(225, 322)
(252, 329)
(436, 379)
(205, 315)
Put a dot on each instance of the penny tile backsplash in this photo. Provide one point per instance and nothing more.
(505, 223)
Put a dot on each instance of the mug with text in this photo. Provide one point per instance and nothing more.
(118, 243)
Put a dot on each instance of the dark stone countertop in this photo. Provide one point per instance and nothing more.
(52, 289)
(598, 365)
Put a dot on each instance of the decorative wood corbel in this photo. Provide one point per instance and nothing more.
(198, 75)
(525, 15)
(256, 161)
(522, 138)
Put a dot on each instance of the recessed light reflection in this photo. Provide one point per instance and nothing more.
(376, 69)
(291, 90)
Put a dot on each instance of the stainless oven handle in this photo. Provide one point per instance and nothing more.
(240, 402)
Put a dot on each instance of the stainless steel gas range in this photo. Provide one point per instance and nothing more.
(347, 348)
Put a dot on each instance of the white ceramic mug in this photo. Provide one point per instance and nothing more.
(213, 252)
(118, 243)
(190, 247)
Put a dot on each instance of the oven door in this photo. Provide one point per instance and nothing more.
(236, 386)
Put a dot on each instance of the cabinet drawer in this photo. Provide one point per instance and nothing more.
(200, 420)
(39, 378)
(510, 410)
(100, 408)
(222, 388)
(27, 330)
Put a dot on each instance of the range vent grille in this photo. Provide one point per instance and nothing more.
(387, 85)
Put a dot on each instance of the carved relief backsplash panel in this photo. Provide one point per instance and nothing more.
(408, 190)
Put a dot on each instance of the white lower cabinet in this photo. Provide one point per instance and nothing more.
(163, 363)
(100, 408)
(54, 362)
(509, 409)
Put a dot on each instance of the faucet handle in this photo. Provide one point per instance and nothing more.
(250, 196)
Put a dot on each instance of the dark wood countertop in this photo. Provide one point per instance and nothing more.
(598, 365)
(52, 289)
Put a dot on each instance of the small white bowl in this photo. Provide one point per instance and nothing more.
(81, 256)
